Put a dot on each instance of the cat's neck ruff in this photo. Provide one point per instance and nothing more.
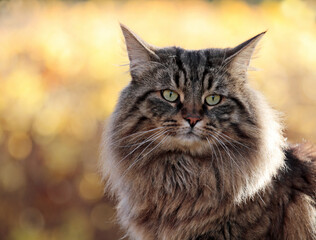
(270, 156)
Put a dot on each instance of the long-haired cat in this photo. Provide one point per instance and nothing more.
(193, 152)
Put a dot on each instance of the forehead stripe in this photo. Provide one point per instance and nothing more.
(180, 65)
(177, 79)
(207, 66)
(194, 63)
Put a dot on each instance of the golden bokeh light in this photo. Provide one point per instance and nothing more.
(19, 145)
(62, 66)
(90, 188)
(12, 177)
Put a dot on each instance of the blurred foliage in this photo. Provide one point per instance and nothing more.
(60, 76)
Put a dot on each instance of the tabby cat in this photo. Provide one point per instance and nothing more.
(193, 152)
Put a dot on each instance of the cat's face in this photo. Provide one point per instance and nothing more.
(186, 98)
(194, 97)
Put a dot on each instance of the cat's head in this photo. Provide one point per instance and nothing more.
(189, 108)
(189, 98)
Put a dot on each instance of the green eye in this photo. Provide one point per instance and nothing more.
(170, 95)
(213, 99)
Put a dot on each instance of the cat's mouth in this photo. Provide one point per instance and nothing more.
(190, 135)
(188, 141)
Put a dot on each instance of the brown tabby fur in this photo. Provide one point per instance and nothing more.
(231, 176)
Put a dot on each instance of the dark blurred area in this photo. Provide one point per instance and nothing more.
(60, 76)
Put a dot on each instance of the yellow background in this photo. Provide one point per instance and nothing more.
(62, 65)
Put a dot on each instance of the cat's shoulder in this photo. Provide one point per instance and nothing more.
(305, 152)
(300, 160)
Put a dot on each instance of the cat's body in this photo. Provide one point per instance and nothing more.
(192, 152)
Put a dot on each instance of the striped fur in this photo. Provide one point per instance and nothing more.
(231, 176)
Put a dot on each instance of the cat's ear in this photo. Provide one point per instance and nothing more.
(139, 52)
(239, 57)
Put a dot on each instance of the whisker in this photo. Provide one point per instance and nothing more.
(134, 135)
(137, 133)
(157, 135)
(138, 159)
(156, 145)
(233, 158)
(125, 236)
(145, 140)
(151, 142)
(237, 142)
(236, 149)
(226, 150)
(122, 65)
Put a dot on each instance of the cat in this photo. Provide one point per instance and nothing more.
(192, 152)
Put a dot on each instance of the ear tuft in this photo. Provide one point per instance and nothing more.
(240, 56)
(138, 50)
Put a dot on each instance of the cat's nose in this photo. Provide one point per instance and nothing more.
(192, 119)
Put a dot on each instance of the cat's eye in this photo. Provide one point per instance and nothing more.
(213, 99)
(170, 95)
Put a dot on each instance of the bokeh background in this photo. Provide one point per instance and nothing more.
(62, 65)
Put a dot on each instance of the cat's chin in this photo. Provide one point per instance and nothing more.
(189, 138)
(188, 142)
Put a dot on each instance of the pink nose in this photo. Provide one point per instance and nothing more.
(192, 119)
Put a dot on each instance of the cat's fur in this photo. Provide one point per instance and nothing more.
(234, 177)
